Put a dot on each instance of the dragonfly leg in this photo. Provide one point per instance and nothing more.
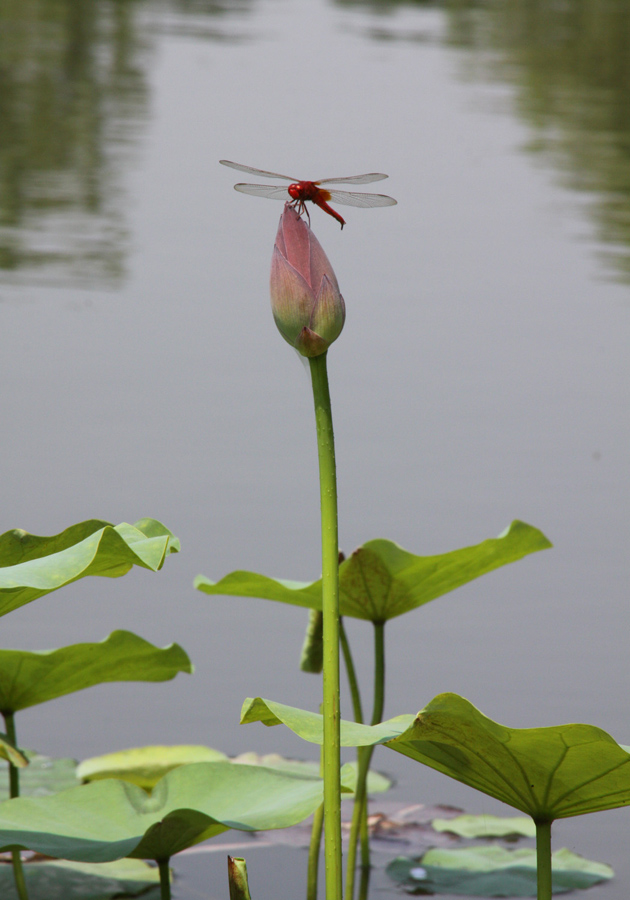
(300, 207)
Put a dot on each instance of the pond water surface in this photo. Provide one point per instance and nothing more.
(482, 376)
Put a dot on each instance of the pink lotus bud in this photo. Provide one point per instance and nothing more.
(307, 306)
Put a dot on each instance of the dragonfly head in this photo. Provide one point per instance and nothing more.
(295, 191)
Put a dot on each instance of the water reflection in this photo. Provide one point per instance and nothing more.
(72, 98)
(570, 65)
(73, 103)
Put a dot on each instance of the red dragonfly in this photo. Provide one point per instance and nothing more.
(301, 191)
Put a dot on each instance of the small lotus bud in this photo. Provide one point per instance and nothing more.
(307, 306)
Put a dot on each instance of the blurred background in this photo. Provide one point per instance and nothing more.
(483, 373)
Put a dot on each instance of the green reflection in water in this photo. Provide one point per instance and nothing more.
(569, 62)
(72, 95)
(73, 104)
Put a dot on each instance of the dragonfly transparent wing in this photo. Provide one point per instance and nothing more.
(355, 179)
(349, 198)
(252, 171)
(272, 191)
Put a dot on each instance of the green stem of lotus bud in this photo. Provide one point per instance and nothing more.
(330, 609)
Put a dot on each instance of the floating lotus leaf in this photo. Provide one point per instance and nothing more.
(63, 880)
(484, 826)
(492, 871)
(110, 819)
(145, 766)
(377, 782)
(275, 761)
(44, 775)
(548, 773)
(31, 566)
(380, 580)
(31, 677)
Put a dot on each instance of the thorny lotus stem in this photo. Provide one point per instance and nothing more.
(165, 879)
(318, 820)
(364, 757)
(313, 853)
(14, 791)
(364, 884)
(330, 608)
(543, 860)
(351, 673)
(14, 772)
(18, 875)
(315, 844)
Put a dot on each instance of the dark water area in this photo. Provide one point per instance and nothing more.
(483, 373)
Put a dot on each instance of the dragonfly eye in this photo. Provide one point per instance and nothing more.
(295, 191)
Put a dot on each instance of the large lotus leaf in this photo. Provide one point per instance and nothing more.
(44, 775)
(145, 766)
(110, 819)
(380, 580)
(63, 880)
(31, 566)
(548, 773)
(377, 782)
(309, 725)
(31, 677)
(485, 826)
(492, 871)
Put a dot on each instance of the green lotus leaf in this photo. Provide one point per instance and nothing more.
(31, 677)
(44, 775)
(63, 880)
(275, 761)
(548, 773)
(110, 819)
(492, 871)
(484, 826)
(31, 566)
(380, 580)
(377, 782)
(309, 725)
(145, 766)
